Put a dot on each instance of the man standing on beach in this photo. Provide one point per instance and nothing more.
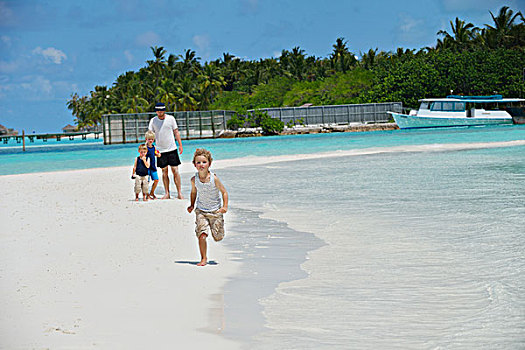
(166, 132)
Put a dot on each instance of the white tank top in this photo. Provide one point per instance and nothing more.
(208, 196)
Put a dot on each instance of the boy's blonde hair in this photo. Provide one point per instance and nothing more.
(143, 147)
(202, 152)
(150, 135)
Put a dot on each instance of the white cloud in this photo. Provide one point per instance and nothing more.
(4, 87)
(202, 42)
(54, 55)
(129, 56)
(410, 31)
(6, 40)
(409, 24)
(6, 14)
(8, 67)
(39, 86)
(148, 39)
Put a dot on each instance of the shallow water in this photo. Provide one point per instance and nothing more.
(422, 250)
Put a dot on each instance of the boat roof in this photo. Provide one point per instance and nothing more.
(478, 99)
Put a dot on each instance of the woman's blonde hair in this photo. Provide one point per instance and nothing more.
(202, 152)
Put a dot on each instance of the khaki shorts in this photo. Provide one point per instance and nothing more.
(209, 222)
(141, 183)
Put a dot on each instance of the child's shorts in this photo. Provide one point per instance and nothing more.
(154, 175)
(206, 222)
(141, 184)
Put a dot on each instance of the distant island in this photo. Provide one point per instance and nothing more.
(467, 60)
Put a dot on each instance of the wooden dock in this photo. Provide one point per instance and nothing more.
(21, 139)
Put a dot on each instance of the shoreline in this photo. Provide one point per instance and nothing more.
(311, 129)
(187, 167)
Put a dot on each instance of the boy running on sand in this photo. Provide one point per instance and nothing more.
(205, 188)
(140, 168)
(152, 171)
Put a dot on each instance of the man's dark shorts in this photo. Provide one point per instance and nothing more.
(168, 158)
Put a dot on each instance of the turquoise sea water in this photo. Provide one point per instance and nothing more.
(410, 248)
(77, 154)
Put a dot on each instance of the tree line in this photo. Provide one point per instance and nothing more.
(467, 60)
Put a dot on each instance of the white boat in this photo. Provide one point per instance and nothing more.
(462, 111)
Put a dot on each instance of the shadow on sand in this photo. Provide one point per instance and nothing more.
(211, 262)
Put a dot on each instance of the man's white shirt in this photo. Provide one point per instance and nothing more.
(163, 129)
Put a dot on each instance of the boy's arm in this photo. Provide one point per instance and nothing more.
(224, 193)
(134, 169)
(193, 195)
(146, 162)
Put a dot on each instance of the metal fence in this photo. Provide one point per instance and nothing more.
(130, 128)
(336, 114)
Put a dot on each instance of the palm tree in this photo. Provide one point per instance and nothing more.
(211, 84)
(368, 59)
(157, 66)
(227, 58)
(190, 63)
(342, 59)
(462, 38)
(135, 104)
(233, 71)
(500, 35)
(297, 63)
(185, 95)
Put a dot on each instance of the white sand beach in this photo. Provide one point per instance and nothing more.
(82, 265)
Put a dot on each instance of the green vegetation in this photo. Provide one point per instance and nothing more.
(257, 118)
(468, 60)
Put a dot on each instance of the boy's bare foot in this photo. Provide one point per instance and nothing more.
(145, 199)
(202, 263)
(136, 199)
(179, 196)
(166, 196)
(152, 196)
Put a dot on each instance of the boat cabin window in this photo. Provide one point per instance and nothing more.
(446, 106)
(424, 105)
(459, 106)
(436, 106)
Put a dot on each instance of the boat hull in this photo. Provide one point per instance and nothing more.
(405, 121)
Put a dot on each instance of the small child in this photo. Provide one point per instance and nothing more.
(205, 188)
(140, 168)
(152, 171)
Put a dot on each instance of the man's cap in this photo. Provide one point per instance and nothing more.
(160, 106)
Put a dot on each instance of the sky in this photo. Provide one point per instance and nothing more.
(50, 49)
